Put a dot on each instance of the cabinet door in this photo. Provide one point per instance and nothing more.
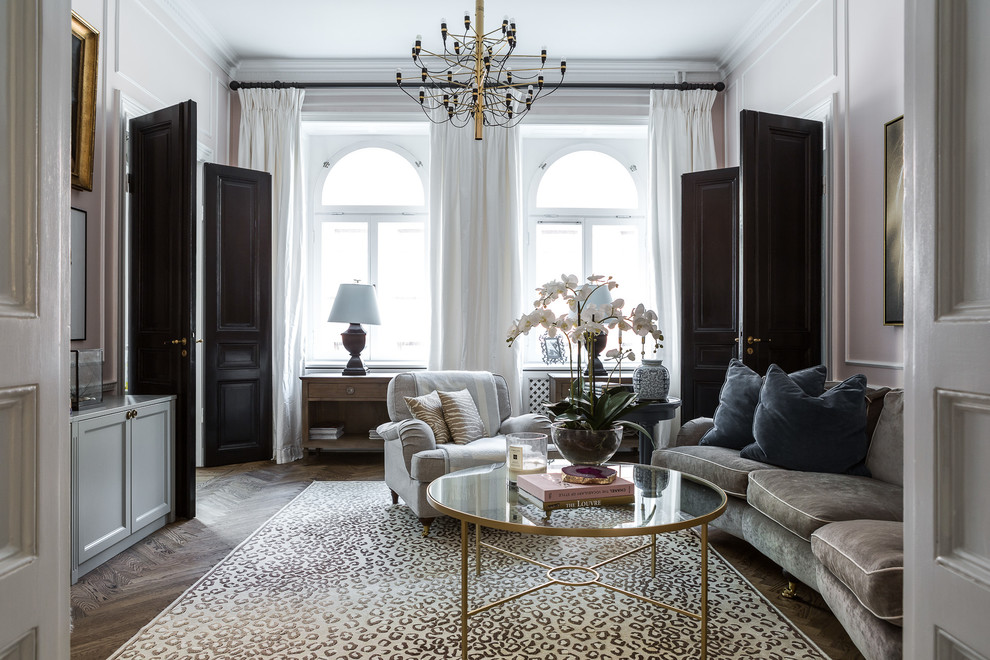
(101, 483)
(151, 464)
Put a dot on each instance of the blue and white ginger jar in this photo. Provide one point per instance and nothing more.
(651, 381)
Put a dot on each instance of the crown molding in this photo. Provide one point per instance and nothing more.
(196, 27)
(767, 19)
(357, 70)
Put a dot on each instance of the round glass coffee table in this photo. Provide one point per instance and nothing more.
(665, 501)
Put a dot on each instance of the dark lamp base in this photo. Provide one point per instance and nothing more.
(354, 339)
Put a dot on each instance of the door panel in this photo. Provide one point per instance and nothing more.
(237, 288)
(781, 175)
(102, 482)
(710, 281)
(162, 296)
(947, 332)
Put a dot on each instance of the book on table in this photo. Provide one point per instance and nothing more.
(550, 487)
(329, 431)
(616, 500)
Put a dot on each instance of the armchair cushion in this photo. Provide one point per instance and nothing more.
(462, 417)
(428, 408)
(428, 465)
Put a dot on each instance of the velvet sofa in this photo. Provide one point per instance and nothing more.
(839, 534)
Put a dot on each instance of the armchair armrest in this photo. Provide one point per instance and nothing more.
(691, 432)
(412, 435)
(528, 423)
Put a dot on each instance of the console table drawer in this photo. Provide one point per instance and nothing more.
(372, 391)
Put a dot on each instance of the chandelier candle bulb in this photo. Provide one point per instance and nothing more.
(488, 64)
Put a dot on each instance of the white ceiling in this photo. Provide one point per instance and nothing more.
(576, 29)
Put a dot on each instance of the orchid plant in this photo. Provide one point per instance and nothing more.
(585, 408)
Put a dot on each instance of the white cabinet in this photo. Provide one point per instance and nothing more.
(122, 467)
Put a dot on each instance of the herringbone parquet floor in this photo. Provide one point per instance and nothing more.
(113, 602)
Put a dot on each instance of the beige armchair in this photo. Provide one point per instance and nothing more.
(413, 458)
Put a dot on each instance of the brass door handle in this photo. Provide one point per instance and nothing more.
(177, 342)
(755, 340)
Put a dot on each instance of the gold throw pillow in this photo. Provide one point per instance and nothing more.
(462, 416)
(429, 409)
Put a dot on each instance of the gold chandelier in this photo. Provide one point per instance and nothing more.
(474, 78)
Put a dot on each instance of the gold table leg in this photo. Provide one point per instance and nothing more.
(477, 550)
(653, 558)
(464, 589)
(704, 591)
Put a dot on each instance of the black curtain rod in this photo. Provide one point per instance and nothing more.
(684, 86)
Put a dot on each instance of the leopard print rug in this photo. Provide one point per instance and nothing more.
(342, 573)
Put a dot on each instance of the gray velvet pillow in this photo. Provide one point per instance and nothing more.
(739, 397)
(824, 433)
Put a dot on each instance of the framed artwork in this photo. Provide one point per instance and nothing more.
(77, 276)
(893, 222)
(85, 53)
(554, 351)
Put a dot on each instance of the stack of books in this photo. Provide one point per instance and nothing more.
(332, 431)
(373, 434)
(549, 492)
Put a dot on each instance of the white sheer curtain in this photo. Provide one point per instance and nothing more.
(270, 140)
(680, 140)
(475, 262)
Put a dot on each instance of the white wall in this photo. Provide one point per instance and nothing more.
(843, 60)
(148, 60)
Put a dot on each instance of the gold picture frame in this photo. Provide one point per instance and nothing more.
(85, 56)
(893, 222)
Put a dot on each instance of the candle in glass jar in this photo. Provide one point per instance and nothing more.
(523, 460)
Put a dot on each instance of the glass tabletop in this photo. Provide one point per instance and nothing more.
(665, 500)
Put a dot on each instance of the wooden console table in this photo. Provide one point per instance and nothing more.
(358, 402)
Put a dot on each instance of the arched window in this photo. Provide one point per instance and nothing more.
(373, 176)
(369, 224)
(585, 210)
(587, 180)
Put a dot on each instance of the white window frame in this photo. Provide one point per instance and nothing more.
(409, 140)
(542, 145)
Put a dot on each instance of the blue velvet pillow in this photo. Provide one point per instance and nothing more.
(797, 431)
(738, 399)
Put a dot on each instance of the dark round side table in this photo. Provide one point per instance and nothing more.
(648, 416)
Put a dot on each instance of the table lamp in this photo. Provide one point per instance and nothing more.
(355, 304)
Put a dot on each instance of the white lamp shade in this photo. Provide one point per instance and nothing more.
(355, 303)
(599, 296)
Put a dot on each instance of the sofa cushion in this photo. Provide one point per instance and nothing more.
(723, 467)
(801, 502)
(462, 416)
(886, 455)
(824, 433)
(867, 556)
(429, 409)
(429, 464)
(739, 397)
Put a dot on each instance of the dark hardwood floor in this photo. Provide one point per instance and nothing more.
(113, 602)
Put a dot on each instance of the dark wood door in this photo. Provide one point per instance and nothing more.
(162, 296)
(710, 286)
(781, 174)
(237, 283)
